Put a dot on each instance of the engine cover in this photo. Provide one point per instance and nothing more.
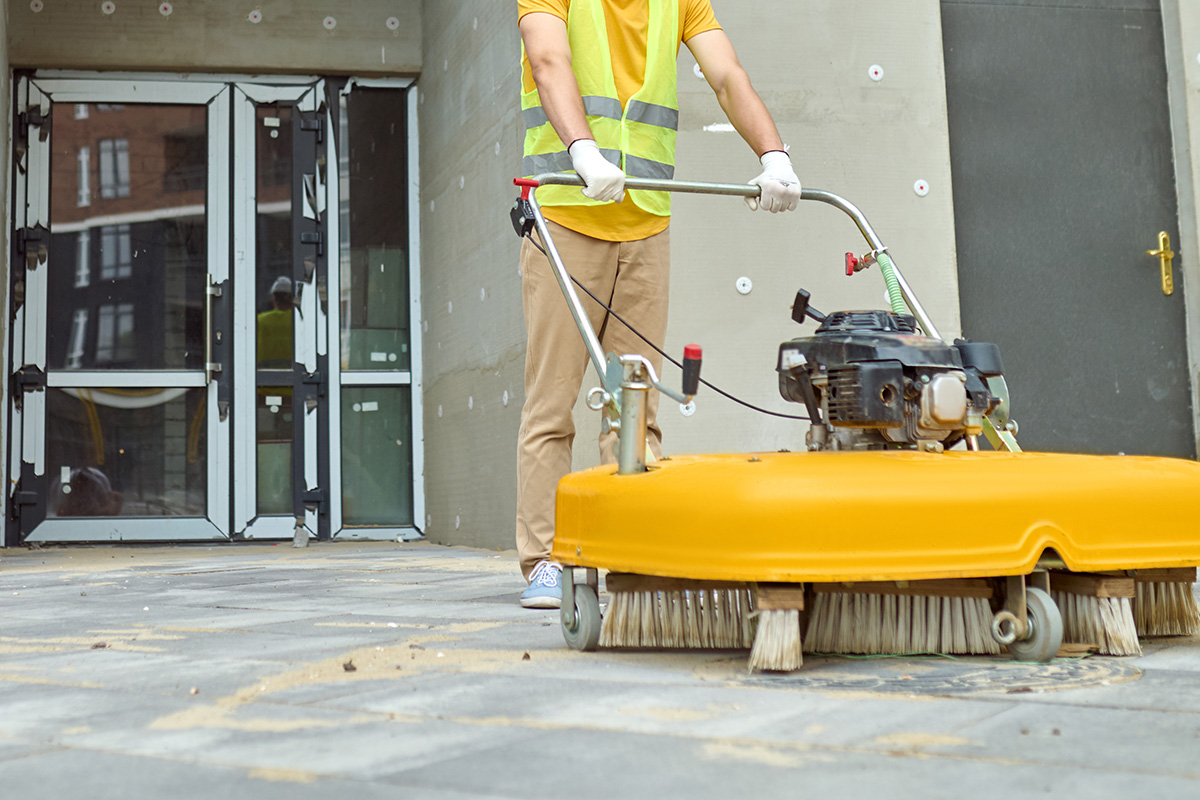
(879, 382)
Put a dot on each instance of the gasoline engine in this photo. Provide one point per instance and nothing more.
(871, 380)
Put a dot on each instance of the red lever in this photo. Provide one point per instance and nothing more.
(691, 369)
(851, 263)
(527, 185)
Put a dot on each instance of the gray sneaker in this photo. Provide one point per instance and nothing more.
(545, 587)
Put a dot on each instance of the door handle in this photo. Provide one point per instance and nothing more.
(1165, 256)
(210, 291)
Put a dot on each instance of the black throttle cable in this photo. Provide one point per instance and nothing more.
(659, 350)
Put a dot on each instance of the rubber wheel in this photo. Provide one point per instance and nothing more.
(1046, 629)
(586, 633)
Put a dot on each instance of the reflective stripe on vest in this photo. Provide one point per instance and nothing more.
(640, 138)
(560, 162)
(593, 106)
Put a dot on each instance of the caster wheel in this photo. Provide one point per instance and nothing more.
(585, 633)
(1045, 629)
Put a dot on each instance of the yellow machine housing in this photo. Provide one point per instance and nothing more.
(880, 516)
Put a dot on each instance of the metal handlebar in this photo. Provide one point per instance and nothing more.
(690, 187)
(733, 189)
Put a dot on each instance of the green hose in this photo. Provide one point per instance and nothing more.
(895, 296)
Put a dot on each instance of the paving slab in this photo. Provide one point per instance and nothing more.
(384, 670)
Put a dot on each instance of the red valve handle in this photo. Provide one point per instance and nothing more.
(527, 185)
(851, 264)
(691, 369)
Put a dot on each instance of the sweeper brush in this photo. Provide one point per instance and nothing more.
(881, 538)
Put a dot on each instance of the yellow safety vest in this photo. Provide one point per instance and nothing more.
(640, 138)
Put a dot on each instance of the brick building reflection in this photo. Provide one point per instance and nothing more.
(126, 282)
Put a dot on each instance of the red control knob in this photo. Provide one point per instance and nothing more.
(851, 264)
(691, 369)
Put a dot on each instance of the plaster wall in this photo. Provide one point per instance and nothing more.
(292, 36)
(1181, 28)
(474, 334)
(867, 140)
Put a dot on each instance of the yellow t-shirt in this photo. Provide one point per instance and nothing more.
(628, 22)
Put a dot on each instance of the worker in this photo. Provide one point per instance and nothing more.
(274, 327)
(599, 98)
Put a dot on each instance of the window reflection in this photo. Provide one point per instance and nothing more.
(376, 455)
(274, 434)
(374, 231)
(275, 346)
(127, 263)
(114, 168)
(126, 452)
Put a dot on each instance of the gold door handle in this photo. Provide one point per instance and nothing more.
(1164, 259)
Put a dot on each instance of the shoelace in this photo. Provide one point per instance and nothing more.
(544, 575)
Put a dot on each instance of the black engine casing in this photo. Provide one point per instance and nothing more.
(871, 366)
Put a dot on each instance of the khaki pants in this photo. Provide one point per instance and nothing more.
(633, 278)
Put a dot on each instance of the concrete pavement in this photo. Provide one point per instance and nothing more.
(386, 670)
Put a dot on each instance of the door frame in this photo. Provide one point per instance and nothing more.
(28, 328)
(413, 378)
(309, 324)
(133, 87)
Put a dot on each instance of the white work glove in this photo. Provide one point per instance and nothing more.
(779, 184)
(604, 180)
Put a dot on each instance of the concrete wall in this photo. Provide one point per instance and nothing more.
(866, 140)
(474, 343)
(290, 36)
(869, 141)
(1181, 27)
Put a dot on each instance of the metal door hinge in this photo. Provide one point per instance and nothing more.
(31, 117)
(313, 237)
(20, 500)
(313, 123)
(32, 243)
(29, 379)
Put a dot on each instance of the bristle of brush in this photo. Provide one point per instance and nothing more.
(1106, 622)
(777, 644)
(873, 624)
(1166, 609)
(694, 619)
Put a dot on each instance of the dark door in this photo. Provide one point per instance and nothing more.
(1064, 175)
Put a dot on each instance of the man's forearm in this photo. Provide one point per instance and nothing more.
(560, 98)
(749, 115)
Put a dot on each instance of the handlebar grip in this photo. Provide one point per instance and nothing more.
(691, 369)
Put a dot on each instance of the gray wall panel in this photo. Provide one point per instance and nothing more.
(220, 37)
(474, 340)
(870, 141)
(1106, 5)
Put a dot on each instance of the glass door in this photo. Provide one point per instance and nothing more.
(212, 300)
(119, 413)
(281, 468)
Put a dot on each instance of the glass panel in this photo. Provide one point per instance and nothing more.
(376, 455)
(274, 449)
(374, 230)
(126, 452)
(129, 260)
(275, 347)
(273, 281)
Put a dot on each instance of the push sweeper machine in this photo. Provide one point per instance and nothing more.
(880, 538)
